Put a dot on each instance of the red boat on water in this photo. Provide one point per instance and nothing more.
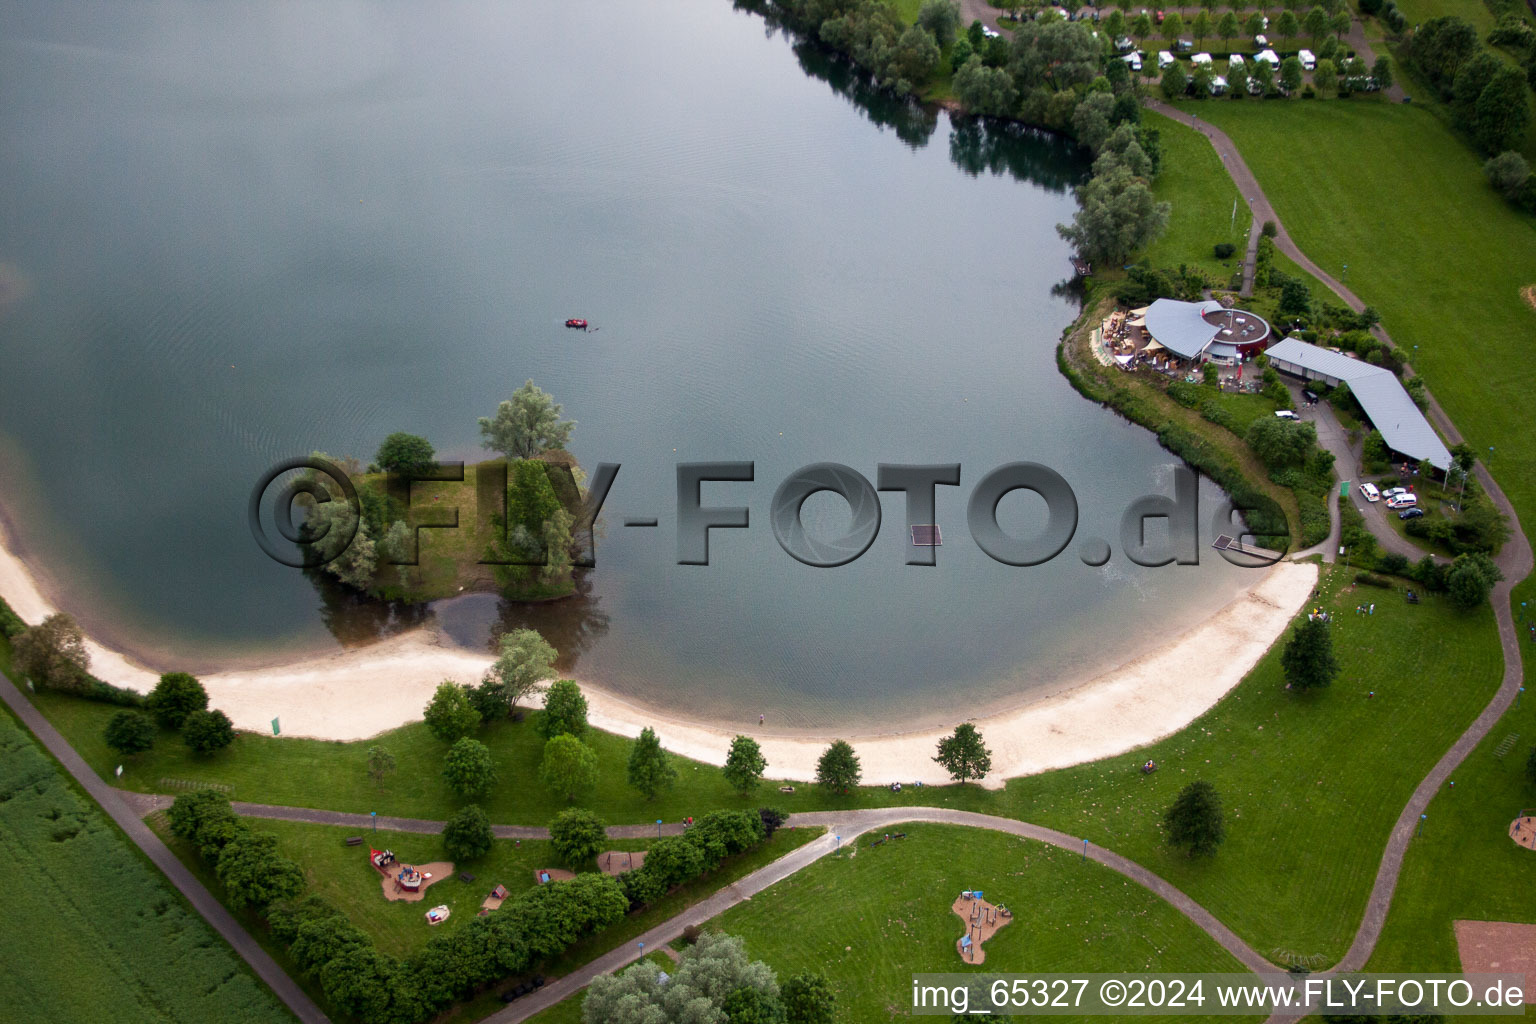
(573, 322)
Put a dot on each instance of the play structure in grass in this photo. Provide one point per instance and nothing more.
(616, 862)
(1498, 947)
(982, 921)
(1523, 829)
(544, 876)
(406, 882)
(494, 900)
(438, 914)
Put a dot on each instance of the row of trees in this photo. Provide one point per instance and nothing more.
(1486, 95)
(1315, 24)
(712, 981)
(179, 703)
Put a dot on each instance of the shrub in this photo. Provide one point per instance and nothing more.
(205, 820)
(468, 768)
(1367, 580)
(129, 732)
(451, 713)
(206, 732)
(1224, 250)
(174, 697)
(1393, 564)
(1270, 230)
(568, 767)
(772, 818)
(11, 625)
(565, 711)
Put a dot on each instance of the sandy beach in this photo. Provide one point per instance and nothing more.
(352, 695)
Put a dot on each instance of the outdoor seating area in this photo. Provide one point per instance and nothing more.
(982, 921)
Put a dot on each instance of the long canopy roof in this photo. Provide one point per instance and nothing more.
(1379, 393)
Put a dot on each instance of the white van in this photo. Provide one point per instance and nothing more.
(1133, 60)
(1370, 492)
(1402, 501)
(1268, 57)
(1164, 58)
(1308, 59)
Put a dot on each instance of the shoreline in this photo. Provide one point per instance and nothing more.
(1154, 694)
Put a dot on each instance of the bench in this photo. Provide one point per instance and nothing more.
(354, 840)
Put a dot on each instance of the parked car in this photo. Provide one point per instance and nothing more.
(1184, 45)
(1286, 414)
(1411, 513)
(1125, 44)
(1371, 493)
(1310, 396)
(1392, 492)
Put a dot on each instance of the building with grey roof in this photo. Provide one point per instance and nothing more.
(1196, 330)
(1385, 401)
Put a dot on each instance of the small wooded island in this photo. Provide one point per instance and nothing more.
(422, 531)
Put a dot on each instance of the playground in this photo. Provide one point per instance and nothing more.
(407, 882)
(616, 862)
(982, 921)
(1523, 829)
(543, 876)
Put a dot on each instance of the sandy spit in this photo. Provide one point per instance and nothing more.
(355, 694)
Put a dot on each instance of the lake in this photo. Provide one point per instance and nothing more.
(235, 233)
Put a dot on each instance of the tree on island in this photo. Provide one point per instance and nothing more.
(527, 424)
(1195, 822)
(569, 766)
(329, 522)
(744, 765)
(650, 769)
(525, 661)
(565, 711)
(207, 732)
(52, 653)
(964, 755)
(450, 714)
(129, 732)
(1308, 659)
(406, 454)
(468, 768)
(381, 764)
(467, 834)
(174, 697)
(577, 835)
(838, 767)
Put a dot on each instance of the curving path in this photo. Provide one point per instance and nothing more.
(1514, 560)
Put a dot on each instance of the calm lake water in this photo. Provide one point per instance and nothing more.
(239, 232)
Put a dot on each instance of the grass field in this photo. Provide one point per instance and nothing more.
(869, 922)
(94, 932)
(1194, 181)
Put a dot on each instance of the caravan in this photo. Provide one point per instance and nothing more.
(1164, 58)
(1308, 59)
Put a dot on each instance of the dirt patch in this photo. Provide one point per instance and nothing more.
(982, 921)
(544, 875)
(431, 874)
(1528, 293)
(1496, 947)
(1523, 831)
(616, 862)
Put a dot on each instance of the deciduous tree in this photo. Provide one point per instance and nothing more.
(381, 764)
(650, 769)
(569, 766)
(254, 874)
(527, 424)
(174, 697)
(207, 732)
(838, 768)
(577, 835)
(450, 714)
(468, 768)
(744, 764)
(52, 653)
(565, 710)
(129, 732)
(467, 835)
(406, 454)
(524, 663)
(964, 755)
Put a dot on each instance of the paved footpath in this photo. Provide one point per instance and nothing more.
(132, 823)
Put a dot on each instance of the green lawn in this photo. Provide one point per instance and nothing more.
(94, 931)
(871, 921)
(1464, 866)
(1193, 180)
